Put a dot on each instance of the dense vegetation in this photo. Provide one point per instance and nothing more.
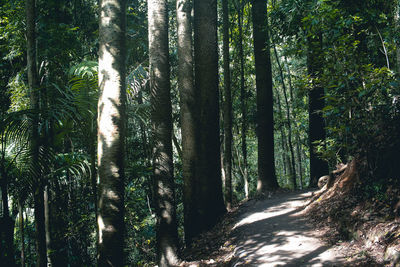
(287, 91)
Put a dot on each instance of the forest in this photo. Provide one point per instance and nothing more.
(128, 128)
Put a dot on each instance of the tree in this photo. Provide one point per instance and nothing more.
(288, 120)
(227, 107)
(188, 112)
(265, 122)
(33, 81)
(166, 226)
(207, 191)
(111, 122)
(316, 103)
(243, 99)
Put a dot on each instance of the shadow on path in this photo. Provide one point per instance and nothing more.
(271, 233)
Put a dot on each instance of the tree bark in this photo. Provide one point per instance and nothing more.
(33, 83)
(227, 107)
(111, 132)
(166, 227)
(299, 160)
(243, 99)
(7, 222)
(40, 231)
(188, 113)
(208, 188)
(21, 231)
(265, 122)
(288, 121)
(316, 102)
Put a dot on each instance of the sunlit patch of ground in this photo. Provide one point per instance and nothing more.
(271, 233)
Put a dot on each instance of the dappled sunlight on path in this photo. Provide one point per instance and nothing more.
(271, 233)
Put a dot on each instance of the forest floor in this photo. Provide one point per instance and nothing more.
(277, 231)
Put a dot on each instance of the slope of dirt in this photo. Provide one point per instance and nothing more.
(265, 232)
(366, 228)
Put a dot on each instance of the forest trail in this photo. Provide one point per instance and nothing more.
(272, 232)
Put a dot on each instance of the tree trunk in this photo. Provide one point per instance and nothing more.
(7, 223)
(288, 121)
(265, 122)
(285, 157)
(111, 132)
(209, 203)
(93, 181)
(227, 107)
(166, 227)
(316, 130)
(397, 27)
(21, 231)
(188, 113)
(40, 230)
(33, 83)
(299, 160)
(47, 225)
(243, 98)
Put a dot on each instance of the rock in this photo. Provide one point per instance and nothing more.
(392, 255)
(322, 181)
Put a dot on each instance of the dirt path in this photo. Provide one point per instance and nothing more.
(271, 232)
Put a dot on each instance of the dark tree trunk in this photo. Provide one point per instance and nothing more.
(40, 231)
(111, 132)
(243, 99)
(265, 122)
(7, 224)
(33, 83)
(188, 113)
(316, 130)
(227, 107)
(208, 188)
(93, 181)
(166, 227)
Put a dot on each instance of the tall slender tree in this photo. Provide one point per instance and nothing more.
(209, 203)
(111, 121)
(288, 120)
(33, 82)
(166, 227)
(265, 121)
(188, 113)
(227, 107)
(316, 102)
(243, 100)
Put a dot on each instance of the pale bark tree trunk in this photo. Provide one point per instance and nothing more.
(227, 107)
(243, 99)
(21, 231)
(299, 161)
(166, 227)
(288, 121)
(265, 122)
(188, 112)
(47, 225)
(111, 132)
(208, 188)
(285, 157)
